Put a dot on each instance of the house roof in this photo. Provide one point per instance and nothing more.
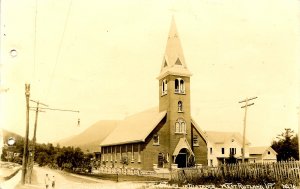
(223, 137)
(173, 61)
(134, 128)
(261, 150)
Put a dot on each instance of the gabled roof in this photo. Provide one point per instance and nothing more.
(196, 126)
(173, 61)
(223, 137)
(134, 128)
(261, 150)
(183, 143)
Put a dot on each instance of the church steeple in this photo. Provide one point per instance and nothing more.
(173, 61)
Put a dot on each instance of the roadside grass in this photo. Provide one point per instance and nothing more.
(34, 182)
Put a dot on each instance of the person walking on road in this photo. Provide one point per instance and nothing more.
(53, 182)
(47, 181)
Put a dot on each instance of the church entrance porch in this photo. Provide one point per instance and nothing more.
(181, 158)
(183, 154)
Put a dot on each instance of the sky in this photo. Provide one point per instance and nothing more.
(102, 58)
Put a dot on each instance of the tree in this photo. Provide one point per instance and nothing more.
(48, 155)
(42, 159)
(231, 159)
(286, 145)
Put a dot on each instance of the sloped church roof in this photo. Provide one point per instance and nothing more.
(135, 128)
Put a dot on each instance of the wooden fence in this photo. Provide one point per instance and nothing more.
(254, 173)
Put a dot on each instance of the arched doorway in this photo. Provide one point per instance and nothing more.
(181, 158)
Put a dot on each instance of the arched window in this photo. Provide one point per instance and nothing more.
(180, 109)
(177, 127)
(179, 86)
(183, 127)
(176, 85)
(164, 87)
(180, 126)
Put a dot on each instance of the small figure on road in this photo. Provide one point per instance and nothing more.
(53, 182)
(47, 181)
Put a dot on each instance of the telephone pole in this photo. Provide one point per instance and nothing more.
(25, 152)
(245, 118)
(31, 163)
(298, 131)
(38, 109)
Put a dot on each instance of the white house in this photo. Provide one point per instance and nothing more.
(262, 154)
(221, 144)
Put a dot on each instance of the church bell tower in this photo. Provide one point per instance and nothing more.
(174, 91)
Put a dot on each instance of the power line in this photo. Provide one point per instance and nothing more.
(59, 47)
(38, 109)
(57, 109)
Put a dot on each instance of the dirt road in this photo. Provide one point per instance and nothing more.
(71, 181)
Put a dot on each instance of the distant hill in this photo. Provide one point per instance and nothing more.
(7, 134)
(90, 139)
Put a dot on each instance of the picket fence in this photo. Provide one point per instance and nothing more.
(279, 172)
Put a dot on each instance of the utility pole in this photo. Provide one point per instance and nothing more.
(298, 131)
(37, 110)
(25, 152)
(245, 119)
(34, 136)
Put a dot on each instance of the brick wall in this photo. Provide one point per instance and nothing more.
(200, 151)
(150, 151)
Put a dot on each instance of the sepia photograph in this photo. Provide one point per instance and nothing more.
(149, 94)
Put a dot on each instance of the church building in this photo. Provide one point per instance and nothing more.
(165, 136)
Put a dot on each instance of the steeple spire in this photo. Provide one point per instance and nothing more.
(173, 61)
